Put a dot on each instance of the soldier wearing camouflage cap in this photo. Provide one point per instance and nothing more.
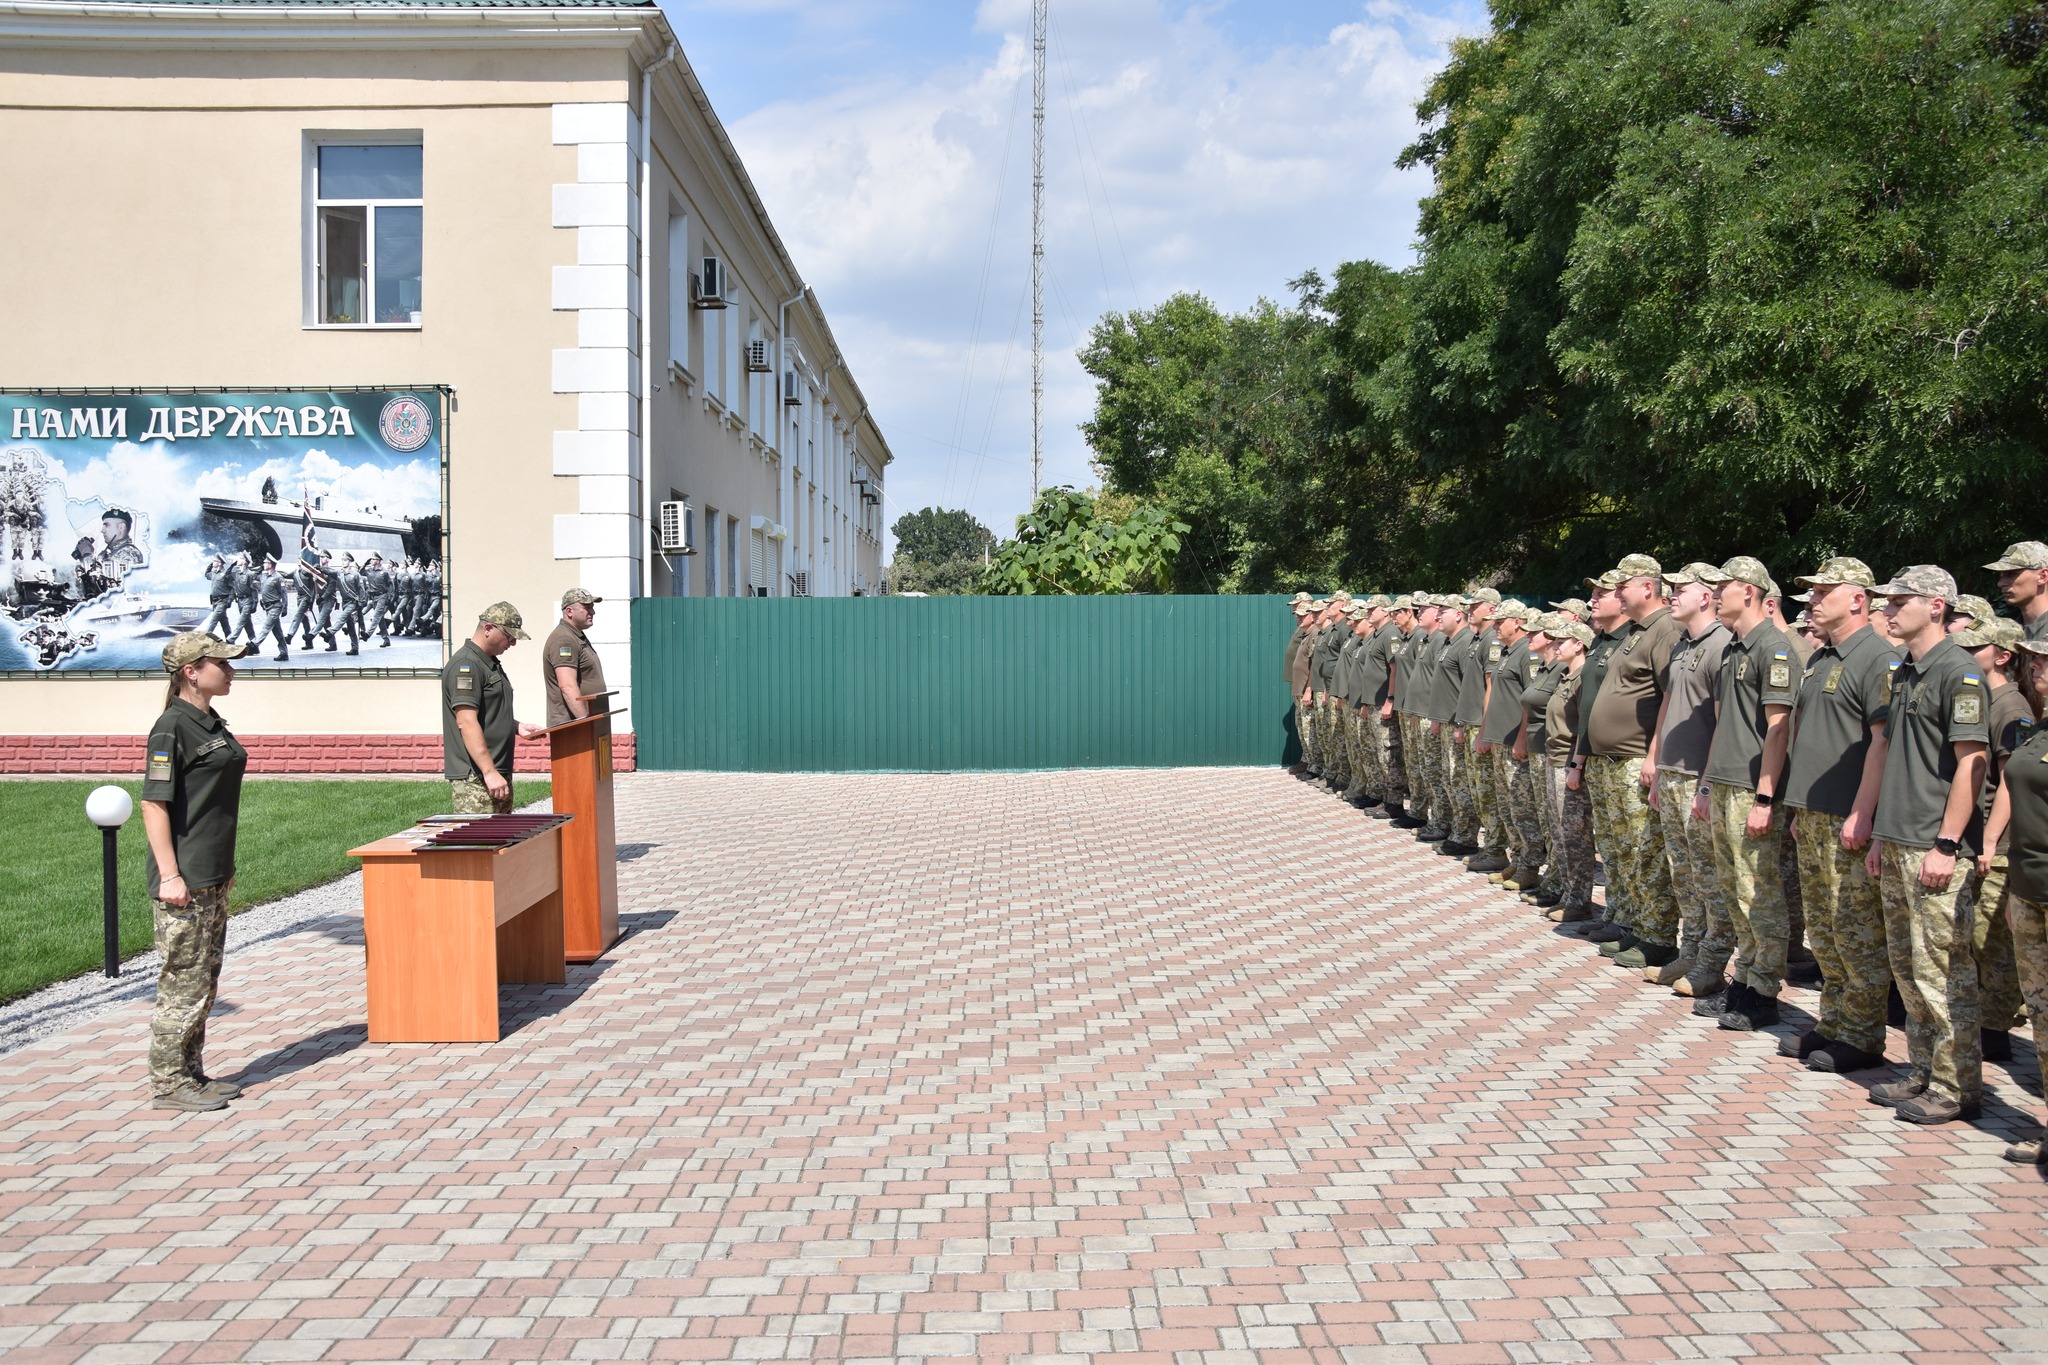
(1372, 779)
(478, 729)
(1936, 735)
(1995, 644)
(2023, 581)
(1685, 733)
(570, 668)
(1831, 782)
(1515, 844)
(191, 806)
(2018, 825)
(1566, 893)
(1294, 669)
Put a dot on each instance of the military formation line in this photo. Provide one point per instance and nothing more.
(1857, 797)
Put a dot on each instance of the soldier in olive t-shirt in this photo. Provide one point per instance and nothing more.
(474, 681)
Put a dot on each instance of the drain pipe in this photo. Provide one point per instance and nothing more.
(647, 316)
(789, 462)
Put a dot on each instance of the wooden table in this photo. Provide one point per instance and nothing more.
(443, 928)
(580, 762)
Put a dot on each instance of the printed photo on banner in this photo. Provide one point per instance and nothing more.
(305, 522)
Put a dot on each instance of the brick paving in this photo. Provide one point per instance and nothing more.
(1194, 1065)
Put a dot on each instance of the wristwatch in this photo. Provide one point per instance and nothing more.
(1765, 801)
(1949, 846)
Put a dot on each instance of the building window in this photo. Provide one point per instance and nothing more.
(679, 306)
(710, 552)
(732, 555)
(367, 233)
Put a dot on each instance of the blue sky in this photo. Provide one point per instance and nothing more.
(1220, 147)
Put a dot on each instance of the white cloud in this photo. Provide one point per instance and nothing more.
(1175, 159)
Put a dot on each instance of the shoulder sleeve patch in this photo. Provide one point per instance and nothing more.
(1967, 709)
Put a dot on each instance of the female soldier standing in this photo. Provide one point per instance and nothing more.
(2019, 815)
(191, 798)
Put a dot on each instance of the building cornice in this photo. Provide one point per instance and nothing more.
(257, 27)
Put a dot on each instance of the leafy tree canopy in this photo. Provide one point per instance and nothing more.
(938, 535)
(1066, 544)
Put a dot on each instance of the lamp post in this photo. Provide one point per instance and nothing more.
(109, 808)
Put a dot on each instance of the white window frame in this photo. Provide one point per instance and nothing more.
(681, 308)
(312, 203)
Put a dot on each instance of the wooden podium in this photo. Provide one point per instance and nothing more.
(443, 926)
(580, 757)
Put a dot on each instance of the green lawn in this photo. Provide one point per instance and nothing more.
(293, 835)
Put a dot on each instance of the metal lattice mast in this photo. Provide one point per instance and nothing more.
(1037, 243)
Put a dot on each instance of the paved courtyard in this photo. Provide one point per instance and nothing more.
(1190, 1065)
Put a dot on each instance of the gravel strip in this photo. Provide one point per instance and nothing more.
(335, 908)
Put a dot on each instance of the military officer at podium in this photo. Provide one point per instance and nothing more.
(478, 729)
(569, 664)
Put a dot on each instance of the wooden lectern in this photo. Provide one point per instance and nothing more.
(443, 927)
(580, 756)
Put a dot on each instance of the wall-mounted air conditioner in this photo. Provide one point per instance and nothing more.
(672, 529)
(711, 284)
(792, 389)
(801, 580)
(757, 358)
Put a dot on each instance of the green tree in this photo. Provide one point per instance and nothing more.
(935, 535)
(949, 578)
(1064, 546)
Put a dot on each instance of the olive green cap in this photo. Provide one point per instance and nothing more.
(1573, 630)
(1301, 597)
(1490, 596)
(1512, 610)
(189, 647)
(505, 617)
(580, 597)
(1576, 605)
(1378, 600)
(1546, 622)
(1405, 602)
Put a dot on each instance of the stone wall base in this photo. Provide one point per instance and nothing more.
(269, 754)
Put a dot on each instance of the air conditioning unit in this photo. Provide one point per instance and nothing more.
(757, 358)
(672, 529)
(802, 579)
(792, 389)
(711, 284)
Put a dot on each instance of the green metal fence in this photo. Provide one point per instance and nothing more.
(947, 684)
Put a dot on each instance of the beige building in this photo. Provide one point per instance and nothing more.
(530, 204)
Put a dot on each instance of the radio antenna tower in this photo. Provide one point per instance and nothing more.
(1037, 243)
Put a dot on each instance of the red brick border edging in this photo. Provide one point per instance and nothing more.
(267, 754)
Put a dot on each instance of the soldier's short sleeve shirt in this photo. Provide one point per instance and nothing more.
(194, 768)
(2012, 722)
(474, 681)
(568, 647)
(1561, 715)
(1688, 733)
(1757, 672)
(1481, 658)
(1844, 694)
(1510, 680)
(2026, 848)
(1624, 711)
(1938, 701)
(1592, 676)
(1373, 666)
(1451, 657)
(1536, 694)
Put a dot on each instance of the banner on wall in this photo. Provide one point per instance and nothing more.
(306, 522)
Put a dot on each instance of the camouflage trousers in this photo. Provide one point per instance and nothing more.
(1414, 773)
(1520, 784)
(471, 797)
(1336, 759)
(1998, 974)
(1689, 849)
(1436, 759)
(1637, 860)
(1931, 942)
(1570, 837)
(1486, 793)
(1393, 759)
(1305, 731)
(191, 939)
(1458, 784)
(1747, 869)
(2028, 921)
(1795, 902)
(1358, 741)
(1845, 926)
